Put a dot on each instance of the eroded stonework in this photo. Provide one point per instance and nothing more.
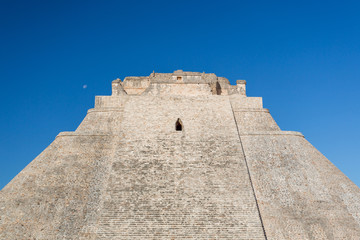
(130, 172)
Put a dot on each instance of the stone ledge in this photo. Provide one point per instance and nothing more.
(106, 109)
(251, 110)
(74, 134)
(299, 134)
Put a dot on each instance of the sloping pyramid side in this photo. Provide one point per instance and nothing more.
(301, 194)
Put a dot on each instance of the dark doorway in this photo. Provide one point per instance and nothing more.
(178, 125)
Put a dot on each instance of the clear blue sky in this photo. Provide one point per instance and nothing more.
(302, 57)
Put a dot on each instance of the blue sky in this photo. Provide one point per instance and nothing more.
(302, 57)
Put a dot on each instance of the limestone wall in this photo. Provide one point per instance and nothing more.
(254, 120)
(179, 89)
(300, 193)
(135, 85)
(48, 199)
(166, 184)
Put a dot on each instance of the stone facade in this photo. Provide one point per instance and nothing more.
(229, 173)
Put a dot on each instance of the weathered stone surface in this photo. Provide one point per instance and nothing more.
(230, 173)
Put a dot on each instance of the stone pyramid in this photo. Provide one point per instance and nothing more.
(181, 155)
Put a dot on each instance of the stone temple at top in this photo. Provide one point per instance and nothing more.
(182, 155)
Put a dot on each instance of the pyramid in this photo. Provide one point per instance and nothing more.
(182, 155)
